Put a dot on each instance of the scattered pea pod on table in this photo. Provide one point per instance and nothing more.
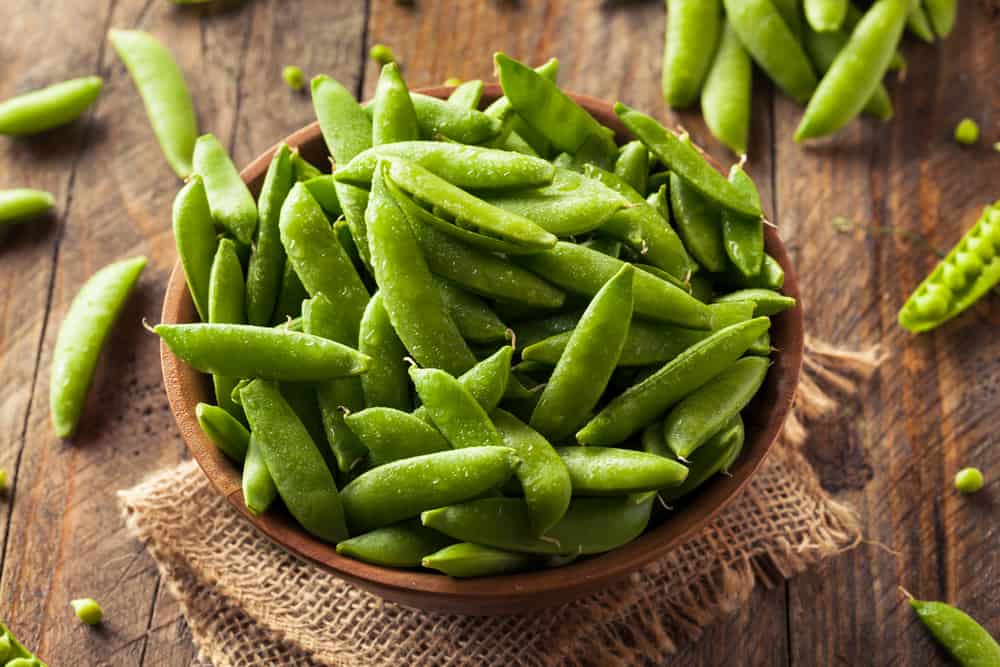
(21, 204)
(967, 641)
(50, 107)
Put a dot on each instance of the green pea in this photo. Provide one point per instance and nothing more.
(228, 434)
(766, 302)
(87, 610)
(391, 435)
(438, 118)
(968, 480)
(386, 383)
(291, 294)
(607, 471)
(400, 545)
(267, 258)
(82, 334)
(466, 95)
(230, 201)
(693, 28)
(726, 97)
(717, 454)
(967, 132)
(466, 559)
(393, 117)
(293, 77)
(454, 410)
(699, 224)
(743, 238)
(382, 54)
(21, 204)
(967, 641)
(50, 107)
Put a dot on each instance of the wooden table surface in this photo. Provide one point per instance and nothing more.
(931, 411)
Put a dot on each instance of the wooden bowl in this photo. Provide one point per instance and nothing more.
(509, 593)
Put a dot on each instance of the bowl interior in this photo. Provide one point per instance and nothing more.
(510, 593)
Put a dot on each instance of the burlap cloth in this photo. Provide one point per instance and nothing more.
(248, 602)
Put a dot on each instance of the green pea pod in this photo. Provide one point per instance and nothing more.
(762, 346)
(228, 434)
(408, 293)
(290, 295)
(164, 94)
(919, 24)
(941, 14)
(472, 316)
(49, 107)
(825, 15)
(194, 234)
(241, 350)
(393, 117)
(399, 545)
(766, 302)
(259, 490)
(584, 271)
(771, 277)
(82, 334)
(591, 354)
(323, 188)
(791, 14)
(16, 653)
(698, 223)
(226, 290)
(22, 204)
(706, 410)
(467, 167)
(693, 28)
(607, 471)
(823, 48)
(590, 525)
(386, 383)
(632, 165)
(726, 97)
(970, 270)
(857, 71)
(683, 159)
(391, 435)
(466, 560)
(644, 402)
(454, 410)
(295, 463)
(851, 21)
(503, 110)
(230, 201)
(773, 46)
(716, 455)
(487, 381)
(967, 641)
(403, 489)
(302, 169)
(529, 332)
(743, 238)
(438, 118)
(267, 259)
(606, 246)
(467, 94)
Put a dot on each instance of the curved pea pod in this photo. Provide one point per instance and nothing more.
(164, 94)
(919, 24)
(967, 641)
(726, 96)
(454, 410)
(229, 435)
(607, 471)
(487, 381)
(258, 486)
(743, 238)
(717, 455)
(632, 165)
(466, 559)
(391, 435)
(693, 28)
(386, 383)
(771, 276)
(644, 402)
(970, 270)
(472, 316)
(323, 188)
(393, 116)
(291, 294)
(438, 118)
(403, 489)
(302, 169)
(766, 302)
(823, 48)
(503, 110)
(194, 234)
(82, 334)
(21, 204)
(241, 350)
(683, 159)
(585, 367)
(467, 167)
(542, 473)
(584, 271)
(295, 463)
(590, 525)
(467, 94)
(267, 258)
(229, 199)
(49, 107)
(941, 14)
(226, 290)
(403, 544)
(408, 293)
(698, 222)
(707, 409)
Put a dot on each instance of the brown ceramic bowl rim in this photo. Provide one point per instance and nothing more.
(185, 387)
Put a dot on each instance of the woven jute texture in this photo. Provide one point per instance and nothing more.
(248, 602)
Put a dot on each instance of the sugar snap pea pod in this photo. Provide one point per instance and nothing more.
(791, 14)
(302, 169)
(438, 118)
(393, 117)
(941, 14)
(857, 71)
(390, 435)
(403, 489)
(644, 402)
(967, 641)
(267, 258)
(771, 277)
(584, 271)
(825, 15)
(726, 96)
(20, 204)
(467, 94)
(773, 46)
(81, 336)
(823, 48)
(608, 471)
(743, 238)
(241, 350)
(970, 270)
(454, 410)
(693, 28)
(851, 21)
(17, 654)
(716, 455)
(632, 165)
(919, 24)
(766, 302)
(590, 525)
(230, 201)
(259, 490)
(472, 316)
(194, 234)
(582, 373)
(698, 223)
(295, 463)
(409, 296)
(49, 107)
(323, 188)
(503, 110)
(291, 294)
(552, 113)
(604, 245)
(706, 410)
(165, 95)
(226, 305)
(683, 159)
(386, 383)
(465, 559)
(301, 397)
(487, 381)
(403, 544)
(762, 346)
(468, 167)
(228, 434)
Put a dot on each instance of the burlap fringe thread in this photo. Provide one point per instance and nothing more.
(247, 602)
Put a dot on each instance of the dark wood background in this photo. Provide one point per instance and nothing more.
(930, 412)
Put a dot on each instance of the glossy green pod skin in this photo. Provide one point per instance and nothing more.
(717, 454)
(632, 165)
(226, 305)
(823, 48)
(82, 334)
(743, 238)
(323, 188)
(393, 117)
(465, 559)
(771, 277)
(467, 94)
(530, 332)
(642, 403)
(503, 110)
(853, 16)
(386, 383)
(766, 302)
(17, 654)
(403, 489)
(473, 317)
(726, 96)
(967, 641)
(941, 14)
(258, 487)
(22, 204)
(229, 199)
(302, 169)
(698, 223)
(229, 435)
(487, 381)
(50, 107)
(693, 28)
(241, 350)
(590, 525)
(454, 410)
(919, 24)
(403, 544)
(391, 435)
(466, 126)
(608, 471)
(164, 93)
(267, 259)
(194, 234)
(291, 294)
(825, 15)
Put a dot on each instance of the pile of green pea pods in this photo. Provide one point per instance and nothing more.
(826, 54)
(491, 338)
